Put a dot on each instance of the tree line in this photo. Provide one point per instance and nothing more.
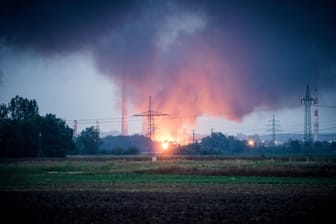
(219, 144)
(25, 133)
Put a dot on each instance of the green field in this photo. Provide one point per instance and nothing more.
(167, 174)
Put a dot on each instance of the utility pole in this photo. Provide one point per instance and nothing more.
(316, 113)
(193, 136)
(212, 139)
(316, 120)
(75, 134)
(124, 110)
(307, 101)
(150, 114)
(97, 125)
(315, 102)
(40, 144)
(274, 127)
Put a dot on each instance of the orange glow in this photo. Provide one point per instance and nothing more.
(165, 145)
(171, 134)
(191, 91)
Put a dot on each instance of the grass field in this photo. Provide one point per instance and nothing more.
(171, 190)
(135, 172)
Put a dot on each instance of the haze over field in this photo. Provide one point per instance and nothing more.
(209, 64)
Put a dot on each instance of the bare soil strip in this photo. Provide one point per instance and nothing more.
(249, 204)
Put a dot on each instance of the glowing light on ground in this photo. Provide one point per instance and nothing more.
(179, 138)
(165, 145)
(250, 143)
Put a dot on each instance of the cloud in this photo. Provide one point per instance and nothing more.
(1, 77)
(219, 58)
(176, 25)
(59, 26)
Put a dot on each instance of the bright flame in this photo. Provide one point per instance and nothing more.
(165, 145)
(171, 133)
(168, 142)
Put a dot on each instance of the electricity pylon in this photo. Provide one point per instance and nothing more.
(307, 101)
(150, 114)
(274, 127)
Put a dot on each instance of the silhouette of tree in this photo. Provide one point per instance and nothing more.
(3, 111)
(24, 133)
(20, 108)
(88, 141)
(55, 136)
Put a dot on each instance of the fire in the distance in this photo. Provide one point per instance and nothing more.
(165, 145)
(169, 132)
(168, 140)
(176, 131)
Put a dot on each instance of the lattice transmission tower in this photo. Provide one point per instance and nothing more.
(307, 101)
(124, 111)
(150, 114)
(273, 128)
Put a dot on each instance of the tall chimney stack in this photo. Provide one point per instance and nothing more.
(124, 114)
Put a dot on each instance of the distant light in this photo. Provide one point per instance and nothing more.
(250, 143)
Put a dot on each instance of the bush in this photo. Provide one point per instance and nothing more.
(132, 150)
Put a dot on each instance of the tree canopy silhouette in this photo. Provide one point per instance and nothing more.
(88, 141)
(24, 133)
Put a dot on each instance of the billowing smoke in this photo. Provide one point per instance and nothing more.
(1, 75)
(193, 57)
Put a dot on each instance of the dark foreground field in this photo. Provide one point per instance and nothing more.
(250, 204)
(169, 191)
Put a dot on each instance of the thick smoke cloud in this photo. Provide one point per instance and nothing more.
(1, 75)
(193, 57)
(59, 26)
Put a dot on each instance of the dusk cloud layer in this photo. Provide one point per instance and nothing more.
(220, 58)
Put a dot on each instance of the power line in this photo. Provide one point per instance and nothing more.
(328, 107)
(307, 101)
(150, 114)
(274, 128)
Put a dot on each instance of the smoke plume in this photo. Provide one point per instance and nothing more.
(194, 58)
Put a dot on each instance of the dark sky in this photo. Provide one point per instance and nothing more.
(221, 58)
